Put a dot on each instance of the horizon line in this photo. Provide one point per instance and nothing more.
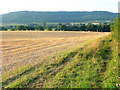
(57, 11)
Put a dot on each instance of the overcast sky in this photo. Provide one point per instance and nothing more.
(58, 5)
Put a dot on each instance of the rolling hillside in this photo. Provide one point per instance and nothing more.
(26, 17)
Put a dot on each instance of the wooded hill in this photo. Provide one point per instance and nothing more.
(27, 17)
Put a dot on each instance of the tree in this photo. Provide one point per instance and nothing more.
(48, 28)
(115, 29)
(20, 27)
(83, 28)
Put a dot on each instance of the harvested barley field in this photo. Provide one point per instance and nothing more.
(30, 48)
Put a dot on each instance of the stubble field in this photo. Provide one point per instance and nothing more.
(20, 48)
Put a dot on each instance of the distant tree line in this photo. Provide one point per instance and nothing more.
(60, 27)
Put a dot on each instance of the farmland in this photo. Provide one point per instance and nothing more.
(37, 58)
(21, 48)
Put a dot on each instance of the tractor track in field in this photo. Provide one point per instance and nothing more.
(53, 71)
(16, 53)
(6, 48)
(34, 55)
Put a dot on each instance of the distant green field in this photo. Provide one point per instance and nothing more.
(56, 23)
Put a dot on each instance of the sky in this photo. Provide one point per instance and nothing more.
(7, 6)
